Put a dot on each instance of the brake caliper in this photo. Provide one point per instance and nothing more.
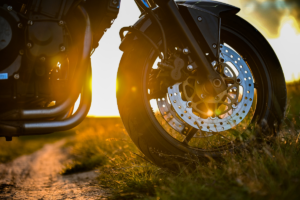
(168, 73)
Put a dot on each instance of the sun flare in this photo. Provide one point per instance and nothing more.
(286, 46)
(105, 60)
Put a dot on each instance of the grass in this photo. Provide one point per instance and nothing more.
(27, 144)
(293, 114)
(103, 143)
(96, 140)
(260, 171)
(264, 172)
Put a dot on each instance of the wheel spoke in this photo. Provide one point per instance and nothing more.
(190, 134)
(212, 113)
(199, 111)
(206, 105)
(190, 98)
(215, 109)
(223, 102)
(233, 85)
(190, 85)
(230, 97)
(229, 79)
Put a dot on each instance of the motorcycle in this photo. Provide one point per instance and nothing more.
(193, 79)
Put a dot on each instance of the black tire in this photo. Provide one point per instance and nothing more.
(135, 112)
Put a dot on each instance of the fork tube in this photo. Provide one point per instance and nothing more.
(206, 67)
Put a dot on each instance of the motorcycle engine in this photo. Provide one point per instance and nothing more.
(34, 52)
(40, 45)
(10, 41)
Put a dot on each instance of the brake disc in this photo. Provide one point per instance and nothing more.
(184, 105)
(171, 117)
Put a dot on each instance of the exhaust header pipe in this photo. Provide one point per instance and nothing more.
(20, 128)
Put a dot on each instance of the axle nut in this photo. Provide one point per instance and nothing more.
(217, 83)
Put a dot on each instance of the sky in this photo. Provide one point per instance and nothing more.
(278, 20)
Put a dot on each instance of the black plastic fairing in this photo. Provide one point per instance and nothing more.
(205, 27)
(209, 30)
(206, 15)
(220, 9)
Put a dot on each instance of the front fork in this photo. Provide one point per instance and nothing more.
(213, 81)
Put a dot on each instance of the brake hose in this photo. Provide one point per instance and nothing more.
(140, 33)
(154, 17)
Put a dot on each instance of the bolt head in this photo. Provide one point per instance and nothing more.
(30, 22)
(214, 46)
(29, 45)
(62, 48)
(203, 96)
(189, 104)
(185, 51)
(9, 8)
(217, 83)
(20, 25)
(200, 19)
(16, 76)
(115, 2)
(214, 63)
(61, 22)
(190, 68)
(21, 52)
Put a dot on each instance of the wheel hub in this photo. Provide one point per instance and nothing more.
(189, 104)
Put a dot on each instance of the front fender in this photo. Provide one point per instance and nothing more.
(218, 8)
(202, 17)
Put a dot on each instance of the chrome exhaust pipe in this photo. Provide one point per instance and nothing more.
(20, 128)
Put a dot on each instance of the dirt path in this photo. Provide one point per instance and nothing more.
(36, 176)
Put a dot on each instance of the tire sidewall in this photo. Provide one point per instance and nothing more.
(141, 124)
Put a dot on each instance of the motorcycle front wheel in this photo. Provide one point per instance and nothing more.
(168, 125)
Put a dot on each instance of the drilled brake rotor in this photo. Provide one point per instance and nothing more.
(185, 104)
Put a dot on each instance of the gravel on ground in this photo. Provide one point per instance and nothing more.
(36, 176)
